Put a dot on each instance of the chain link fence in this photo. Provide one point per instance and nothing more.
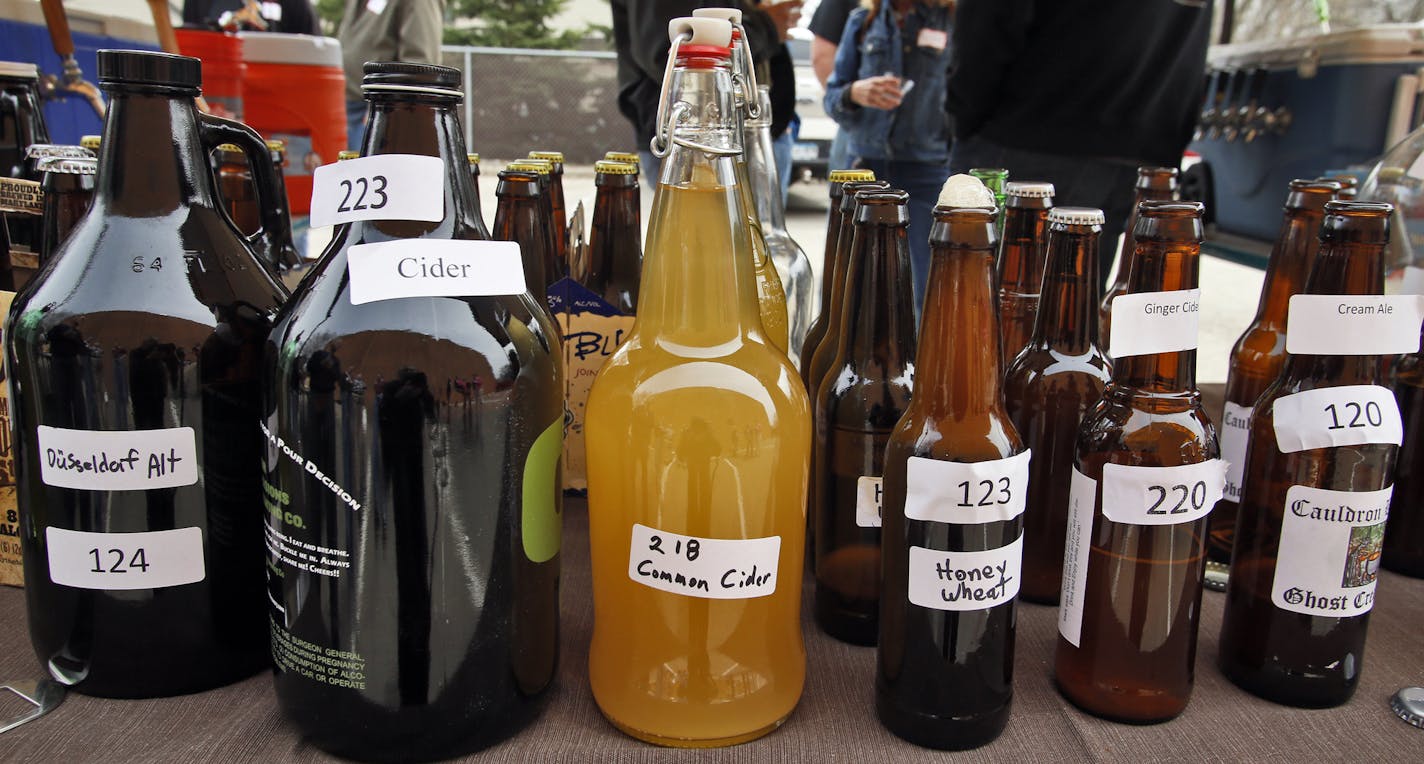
(517, 100)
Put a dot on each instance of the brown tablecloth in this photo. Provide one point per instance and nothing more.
(835, 720)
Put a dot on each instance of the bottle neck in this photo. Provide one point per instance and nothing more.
(1166, 260)
(1067, 319)
(957, 364)
(766, 184)
(828, 256)
(879, 324)
(1289, 265)
(152, 159)
(1342, 268)
(613, 242)
(519, 217)
(1021, 266)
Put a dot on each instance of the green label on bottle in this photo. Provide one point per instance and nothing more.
(542, 518)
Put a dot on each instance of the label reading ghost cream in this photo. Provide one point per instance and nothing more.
(1330, 551)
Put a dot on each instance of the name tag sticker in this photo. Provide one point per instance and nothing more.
(934, 39)
(391, 270)
(1154, 322)
(967, 493)
(1331, 324)
(381, 187)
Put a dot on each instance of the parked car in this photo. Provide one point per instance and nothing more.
(811, 149)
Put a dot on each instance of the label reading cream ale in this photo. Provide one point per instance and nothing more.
(1330, 551)
(1371, 324)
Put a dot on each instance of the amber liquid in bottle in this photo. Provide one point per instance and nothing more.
(871, 380)
(558, 213)
(944, 674)
(1404, 532)
(1020, 265)
(1052, 385)
(519, 217)
(1259, 353)
(615, 250)
(1311, 522)
(817, 332)
(1158, 184)
(1135, 594)
(68, 191)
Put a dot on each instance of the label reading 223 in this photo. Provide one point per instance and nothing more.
(381, 187)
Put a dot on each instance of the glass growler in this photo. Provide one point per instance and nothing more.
(817, 331)
(1404, 531)
(698, 436)
(68, 191)
(519, 217)
(414, 414)
(1019, 268)
(1052, 385)
(1153, 184)
(1144, 478)
(1318, 477)
(135, 368)
(952, 533)
(867, 391)
(1259, 353)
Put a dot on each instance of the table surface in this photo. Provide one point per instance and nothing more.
(835, 720)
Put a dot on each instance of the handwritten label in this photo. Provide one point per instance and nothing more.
(1330, 549)
(1162, 495)
(869, 493)
(966, 493)
(1348, 415)
(1154, 322)
(1082, 496)
(1235, 432)
(118, 460)
(393, 270)
(718, 569)
(1329, 324)
(965, 580)
(122, 561)
(380, 187)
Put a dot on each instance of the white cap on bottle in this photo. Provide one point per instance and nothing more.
(965, 191)
(1076, 216)
(704, 31)
(1029, 189)
(732, 16)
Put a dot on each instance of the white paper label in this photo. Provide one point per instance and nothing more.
(1162, 495)
(966, 493)
(717, 569)
(1235, 431)
(868, 495)
(1331, 324)
(380, 187)
(118, 460)
(1154, 322)
(147, 560)
(1413, 280)
(1330, 551)
(965, 580)
(391, 270)
(1082, 495)
(375, 6)
(1349, 415)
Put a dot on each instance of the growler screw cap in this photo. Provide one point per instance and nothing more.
(410, 75)
(140, 67)
(1076, 216)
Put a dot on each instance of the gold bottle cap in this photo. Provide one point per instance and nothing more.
(553, 156)
(277, 144)
(627, 157)
(539, 166)
(608, 167)
(90, 142)
(844, 176)
(472, 158)
(233, 147)
(344, 155)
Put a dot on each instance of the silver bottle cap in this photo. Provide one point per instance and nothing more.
(1408, 704)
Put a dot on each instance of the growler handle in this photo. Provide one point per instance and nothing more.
(266, 243)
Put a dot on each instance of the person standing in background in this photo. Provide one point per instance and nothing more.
(887, 91)
(827, 24)
(1078, 94)
(385, 30)
(284, 16)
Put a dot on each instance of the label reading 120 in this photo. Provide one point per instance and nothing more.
(1348, 415)
(1162, 495)
(125, 561)
(381, 187)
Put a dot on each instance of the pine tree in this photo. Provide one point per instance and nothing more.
(510, 24)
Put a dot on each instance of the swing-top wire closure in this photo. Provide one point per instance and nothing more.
(669, 116)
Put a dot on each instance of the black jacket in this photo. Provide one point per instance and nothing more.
(1108, 78)
(640, 34)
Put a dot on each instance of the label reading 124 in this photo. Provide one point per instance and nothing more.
(1332, 324)
(146, 560)
(381, 187)
(1348, 415)
(118, 460)
(1162, 495)
(966, 493)
(391, 270)
(718, 569)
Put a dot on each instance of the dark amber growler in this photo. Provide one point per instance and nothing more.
(1153, 184)
(1404, 531)
(414, 420)
(519, 217)
(1145, 476)
(1259, 353)
(615, 249)
(68, 191)
(837, 180)
(867, 391)
(952, 534)
(1052, 385)
(1319, 472)
(1019, 269)
(135, 367)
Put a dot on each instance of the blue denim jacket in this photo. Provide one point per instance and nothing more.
(919, 129)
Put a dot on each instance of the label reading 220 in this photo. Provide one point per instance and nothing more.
(381, 187)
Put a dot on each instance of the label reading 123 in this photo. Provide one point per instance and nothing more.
(381, 187)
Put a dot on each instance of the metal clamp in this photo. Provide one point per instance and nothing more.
(749, 83)
(667, 117)
(44, 694)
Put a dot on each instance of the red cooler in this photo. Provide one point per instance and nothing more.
(223, 70)
(295, 91)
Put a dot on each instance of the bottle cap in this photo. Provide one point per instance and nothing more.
(709, 32)
(608, 167)
(473, 159)
(623, 156)
(1076, 216)
(91, 142)
(1388, 175)
(43, 151)
(730, 15)
(19, 70)
(557, 157)
(69, 166)
(1029, 189)
(842, 176)
(140, 67)
(1408, 704)
(538, 166)
(230, 147)
(277, 144)
(344, 155)
(421, 79)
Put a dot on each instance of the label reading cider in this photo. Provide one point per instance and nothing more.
(719, 569)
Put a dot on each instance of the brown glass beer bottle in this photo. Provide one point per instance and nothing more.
(1404, 532)
(1020, 265)
(558, 215)
(615, 250)
(952, 535)
(519, 217)
(473, 160)
(68, 189)
(871, 378)
(837, 180)
(1319, 466)
(1259, 353)
(1052, 385)
(1155, 184)
(1145, 476)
